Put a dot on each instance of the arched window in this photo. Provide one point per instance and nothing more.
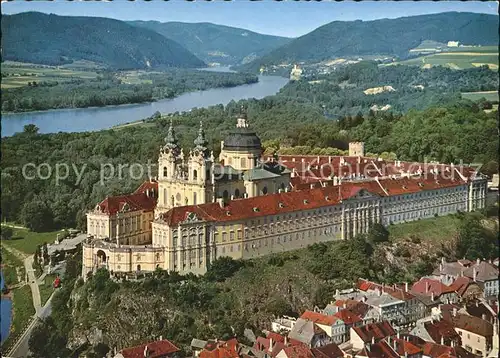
(237, 193)
(186, 201)
(282, 186)
(165, 172)
(225, 194)
(165, 196)
(194, 199)
(172, 200)
(229, 161)
(264, 190)
(243, 162)
(195, 174)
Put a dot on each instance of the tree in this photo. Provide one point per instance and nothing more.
(7, 233)
(36, 216)
(378, 233)
(31, 129)
(54, 343)
(474, 240)
(222, 268)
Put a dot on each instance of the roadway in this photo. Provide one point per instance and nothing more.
(20, 348)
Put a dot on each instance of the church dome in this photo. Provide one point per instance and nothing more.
(242, 138)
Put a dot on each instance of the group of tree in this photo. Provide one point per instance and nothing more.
(341, 92)
(456, 132)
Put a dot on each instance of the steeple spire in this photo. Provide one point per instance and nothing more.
(171, 142)
(242, 119)
(200, 142)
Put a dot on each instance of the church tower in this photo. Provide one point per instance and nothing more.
(169, 170)
(199, 186)
(241, 149)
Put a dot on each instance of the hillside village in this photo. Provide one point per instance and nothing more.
(452, 313)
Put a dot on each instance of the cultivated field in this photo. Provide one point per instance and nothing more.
(457, 58)
(16, 74)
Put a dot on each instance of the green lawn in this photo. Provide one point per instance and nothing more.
(9, 264)
(27, 241)
(433, 229)
(46, 288)
(22, 311)
(491, 96)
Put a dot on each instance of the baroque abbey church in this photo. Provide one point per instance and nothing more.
(245, 205)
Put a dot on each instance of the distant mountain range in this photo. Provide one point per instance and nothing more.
(54, 40)
(393, 37)
(216, 43)
(51, 39)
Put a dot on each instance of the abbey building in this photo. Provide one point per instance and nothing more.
(245, 205)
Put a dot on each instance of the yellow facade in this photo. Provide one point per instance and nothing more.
(135, 241)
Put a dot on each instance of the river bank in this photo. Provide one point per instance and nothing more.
(99, 118)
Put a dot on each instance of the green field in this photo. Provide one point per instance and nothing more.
(16, 75)
(27, 241)
(22, 311)
(457, 58)
(435, 230)
(491, 96)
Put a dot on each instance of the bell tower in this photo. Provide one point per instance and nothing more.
(200, 165)
(169, 169)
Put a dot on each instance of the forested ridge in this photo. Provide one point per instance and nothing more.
(341, 92)
(393, 37)
(216, 43)
(55, 40)
(109, 89)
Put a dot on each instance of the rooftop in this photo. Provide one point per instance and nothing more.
(155, 349)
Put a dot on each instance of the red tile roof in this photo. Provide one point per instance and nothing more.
(221, 349)
(460, 285)
(156, 349)
(298, 351)
(377, 330)
(401, 346)
(427, 286)
(378, 350)
(151, 185)
(263, 344)
(395, 291)
(348, 317)
(144, 198)
(328, 351)
(442, 330)
(434, 350)
(319, 318)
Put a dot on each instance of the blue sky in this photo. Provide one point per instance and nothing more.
(288, 18)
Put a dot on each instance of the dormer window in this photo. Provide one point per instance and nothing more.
(228, 213)
(98, 208)
(281, 205)
(255, 210)
(420, 185)
(405, 187)
(327, 198)
(306, 201)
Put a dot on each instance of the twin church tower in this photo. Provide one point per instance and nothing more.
(199, 179)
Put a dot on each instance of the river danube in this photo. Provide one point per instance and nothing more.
(92, 119)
